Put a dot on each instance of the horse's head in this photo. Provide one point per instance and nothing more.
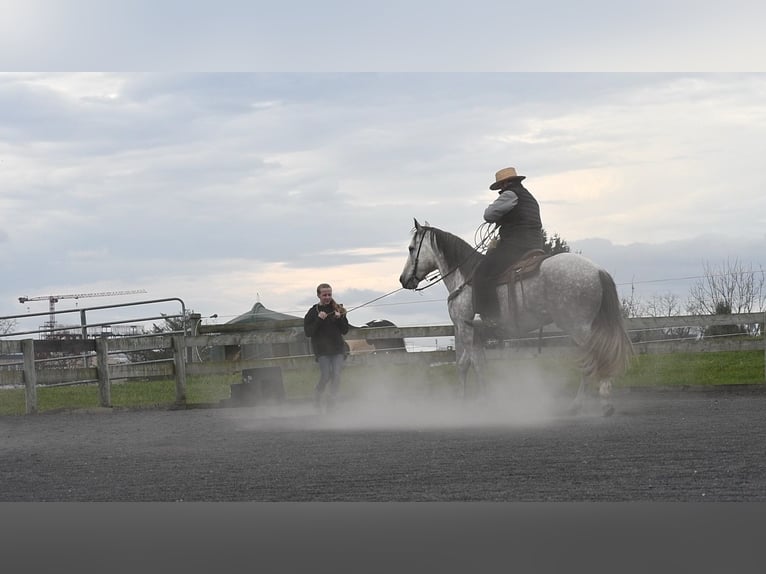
(420, 260)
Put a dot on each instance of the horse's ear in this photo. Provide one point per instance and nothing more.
(417, 225)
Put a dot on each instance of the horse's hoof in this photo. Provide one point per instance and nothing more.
(608, 410)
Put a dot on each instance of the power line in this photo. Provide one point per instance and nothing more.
(692, 277)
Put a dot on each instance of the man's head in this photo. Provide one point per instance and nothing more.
(504, 177)
(324, 292)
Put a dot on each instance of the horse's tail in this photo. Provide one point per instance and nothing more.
(608, 348)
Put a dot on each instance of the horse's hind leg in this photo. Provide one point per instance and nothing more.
(605, 394)
(478, 363)
(577, 402)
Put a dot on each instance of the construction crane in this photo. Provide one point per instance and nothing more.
(53, 299)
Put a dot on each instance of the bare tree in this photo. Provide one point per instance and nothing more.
(171, 324)
(667, 305)
(7, 326)
(732, 285)
(632, 306)
(730, 288)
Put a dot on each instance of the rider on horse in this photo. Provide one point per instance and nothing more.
(517, 215)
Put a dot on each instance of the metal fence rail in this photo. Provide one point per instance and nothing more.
(84, 325)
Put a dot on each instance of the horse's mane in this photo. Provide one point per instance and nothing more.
(457, 252)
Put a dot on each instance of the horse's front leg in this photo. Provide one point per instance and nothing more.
(470, 354)
(464, 353)
(463, 363)
(479, 361)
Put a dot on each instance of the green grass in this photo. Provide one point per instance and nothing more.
(679, 369)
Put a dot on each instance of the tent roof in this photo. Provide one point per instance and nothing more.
(260, 313)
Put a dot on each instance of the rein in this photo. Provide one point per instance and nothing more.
(415, 268)
(373, 300)
(434, 281)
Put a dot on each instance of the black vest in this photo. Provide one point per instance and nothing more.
(522, 224)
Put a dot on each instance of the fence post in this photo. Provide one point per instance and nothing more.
(179, 362)
(30, 375)
(102, 368)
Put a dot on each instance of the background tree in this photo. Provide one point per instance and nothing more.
(718, 330)
(173, 324)
(7, 325)
(555, 244)
(170, 325)
(661, 305)
(730, 287)
(632, 306)
(667, 305)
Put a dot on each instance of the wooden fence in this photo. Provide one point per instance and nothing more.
(59, 362)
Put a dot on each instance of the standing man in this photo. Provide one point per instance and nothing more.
(517, 214)
(326, 323)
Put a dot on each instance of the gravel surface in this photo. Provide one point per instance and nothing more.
(658, 446)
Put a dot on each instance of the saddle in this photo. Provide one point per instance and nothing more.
(529, 264)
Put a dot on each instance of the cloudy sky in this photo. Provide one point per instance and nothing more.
(228, 188)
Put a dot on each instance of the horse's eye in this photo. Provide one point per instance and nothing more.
(411, 248)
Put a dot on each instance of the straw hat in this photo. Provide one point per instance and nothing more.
(505, 175)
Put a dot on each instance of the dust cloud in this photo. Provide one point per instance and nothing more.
(401, 403)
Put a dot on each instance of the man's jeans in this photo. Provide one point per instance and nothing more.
(330, 367)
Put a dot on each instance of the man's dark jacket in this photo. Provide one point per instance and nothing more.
(326, 334)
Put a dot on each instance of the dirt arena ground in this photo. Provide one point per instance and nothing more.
(659, 446)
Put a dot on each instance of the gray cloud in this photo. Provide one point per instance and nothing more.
(187, 181)
(429, 35)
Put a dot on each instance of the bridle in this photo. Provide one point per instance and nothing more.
(413, 275)
(435, 279)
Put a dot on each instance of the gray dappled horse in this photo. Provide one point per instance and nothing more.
(569, 291)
